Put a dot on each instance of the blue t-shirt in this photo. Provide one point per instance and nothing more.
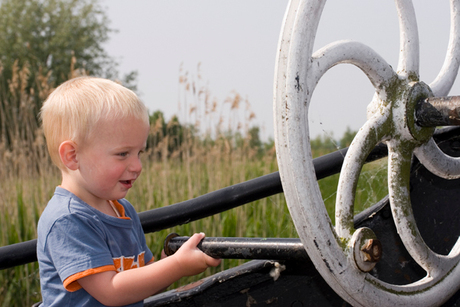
(76, 240)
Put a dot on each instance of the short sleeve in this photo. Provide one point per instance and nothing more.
(75, 244)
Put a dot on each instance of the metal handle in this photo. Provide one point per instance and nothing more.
(243, 248)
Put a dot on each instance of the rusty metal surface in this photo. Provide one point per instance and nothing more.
(438, 111)
(255, 283)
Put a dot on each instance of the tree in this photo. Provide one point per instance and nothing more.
(347, 138)
(254, 138)
(322, 145)
(55, 36)
(44, 43)
(167, 137)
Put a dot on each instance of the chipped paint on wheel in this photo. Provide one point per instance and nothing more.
(390, 120)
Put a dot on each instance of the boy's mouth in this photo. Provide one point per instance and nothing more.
(127, 183)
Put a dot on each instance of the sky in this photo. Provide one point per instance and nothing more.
(229, 46)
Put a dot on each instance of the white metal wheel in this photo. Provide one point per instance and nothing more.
(336, 251)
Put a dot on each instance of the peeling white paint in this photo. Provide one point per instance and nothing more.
(298, 70)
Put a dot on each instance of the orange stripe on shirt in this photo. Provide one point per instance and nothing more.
(71, 283)
(119, 264)
(120, 210)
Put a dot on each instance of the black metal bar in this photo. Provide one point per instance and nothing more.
(239, 194)
(18, 254)
(210, 203)
(244, 248)
(438, 111)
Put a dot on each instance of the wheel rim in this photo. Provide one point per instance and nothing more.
(332, 249)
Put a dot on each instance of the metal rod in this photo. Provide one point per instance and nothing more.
(243, 248)
(438, 111)
(18, 254)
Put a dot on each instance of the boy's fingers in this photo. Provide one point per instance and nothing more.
(196, 238)
(193, 241)
(212, 261)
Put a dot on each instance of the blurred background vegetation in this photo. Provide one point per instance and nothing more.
(46, 42)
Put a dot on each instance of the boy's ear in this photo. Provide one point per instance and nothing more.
(68, 154)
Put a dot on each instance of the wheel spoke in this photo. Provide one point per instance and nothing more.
(399, 162)
(438, 162)
(366, 139)
(370, 62)
(408, 41)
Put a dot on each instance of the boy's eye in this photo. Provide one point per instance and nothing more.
(123, 154)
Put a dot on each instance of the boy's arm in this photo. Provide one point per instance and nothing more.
(127, 287)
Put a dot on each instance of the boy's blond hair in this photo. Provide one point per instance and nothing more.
(73, 109)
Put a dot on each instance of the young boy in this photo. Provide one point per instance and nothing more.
(91, 248)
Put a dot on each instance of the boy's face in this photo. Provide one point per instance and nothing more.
(109, 162)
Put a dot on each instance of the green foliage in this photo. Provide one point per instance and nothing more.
(49, 34)
(347, 138)
(196, 167)
(166, 138)
(322, 145)
(44, 43)
(170, 137)
(254, 139)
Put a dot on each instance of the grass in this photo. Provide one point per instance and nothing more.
(163, 183)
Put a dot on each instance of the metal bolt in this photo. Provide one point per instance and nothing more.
(372, 250)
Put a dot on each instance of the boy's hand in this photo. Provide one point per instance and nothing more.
(123, 288)
(191, 260)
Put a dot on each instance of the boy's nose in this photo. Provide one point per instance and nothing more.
(135, 166)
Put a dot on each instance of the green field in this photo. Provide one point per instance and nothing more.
(164, 181)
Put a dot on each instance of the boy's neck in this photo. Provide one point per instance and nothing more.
(101, 205)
